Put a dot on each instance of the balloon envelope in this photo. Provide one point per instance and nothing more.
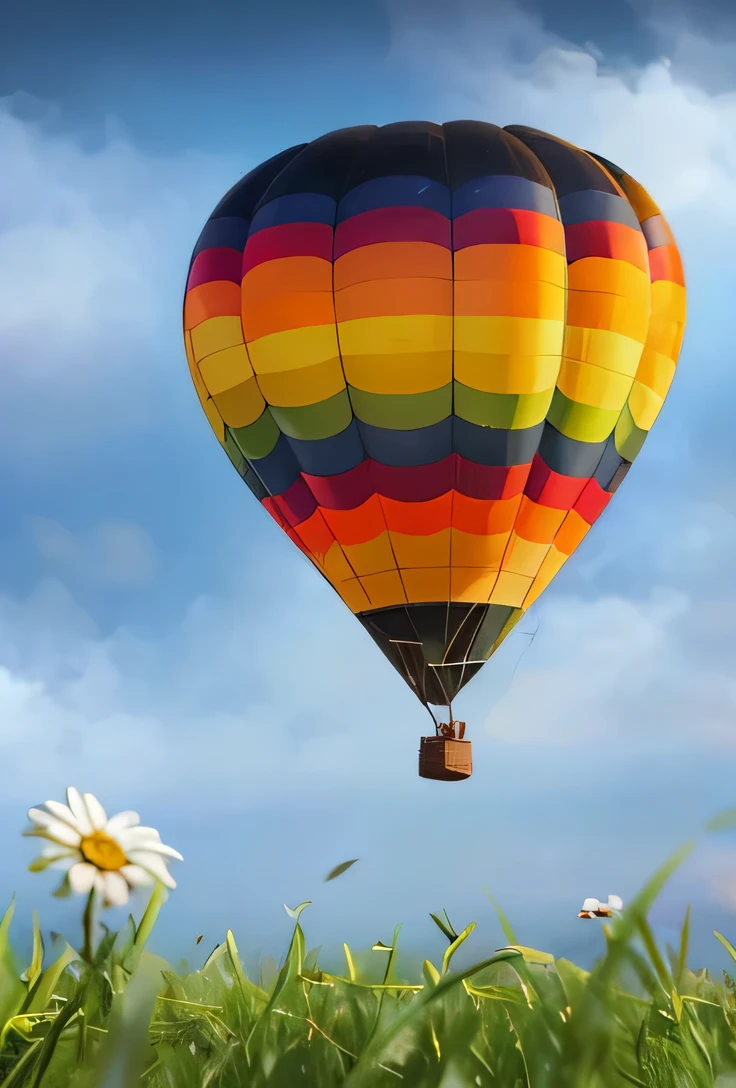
(432, 353)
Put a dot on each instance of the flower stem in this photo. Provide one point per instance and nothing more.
(89, 927)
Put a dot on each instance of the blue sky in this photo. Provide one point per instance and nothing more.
(165, 647)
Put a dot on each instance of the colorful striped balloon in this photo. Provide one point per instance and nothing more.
(432, 352)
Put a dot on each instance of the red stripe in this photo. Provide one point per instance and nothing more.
(507, 226)
(551, 489)
(592, 502)
(404, 224)
(294, 506)
(665, 263)
(215, 264)
(349, 490)
(600, 238)
(288, 240)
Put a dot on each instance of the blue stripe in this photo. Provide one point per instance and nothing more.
(227, 233)
(503, 191)
(405, 449)
(495, 446)
(395, 192)
(590, 204)
(295, 208)
(570, 456)
(279, 469)
(329, 456)
(656, 232)
(609, 464)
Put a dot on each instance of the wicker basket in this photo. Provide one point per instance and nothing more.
(445, 760)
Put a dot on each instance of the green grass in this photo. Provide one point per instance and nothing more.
(517, 1019)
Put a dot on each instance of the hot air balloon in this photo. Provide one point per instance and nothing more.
(432, 353)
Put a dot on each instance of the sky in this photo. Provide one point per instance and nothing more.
(165, 647)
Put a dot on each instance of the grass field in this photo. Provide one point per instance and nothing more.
(517, 1019)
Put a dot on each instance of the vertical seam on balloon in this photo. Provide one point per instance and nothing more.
(452, 379)
(564, 326)
(345, 190)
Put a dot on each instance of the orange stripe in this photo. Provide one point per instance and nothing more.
(316, 535)
(397, 259)
(218, 298)
(484, 517)
(288, 293)
(357, 526)
(507, 262)
(536, 522)
(509, 298)
(572, 532)
(418, 518)
(389, 297)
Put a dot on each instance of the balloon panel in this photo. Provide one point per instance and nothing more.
(433, 352)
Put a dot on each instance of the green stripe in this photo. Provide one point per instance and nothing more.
(231, 448)
(312, 421)
(627, 437)
(259, 438)
(402, 411)
(580, 421)
(511, 411)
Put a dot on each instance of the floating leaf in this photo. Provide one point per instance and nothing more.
(340, 869)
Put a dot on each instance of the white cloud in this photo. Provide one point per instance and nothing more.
(653, 121)
(94, 248)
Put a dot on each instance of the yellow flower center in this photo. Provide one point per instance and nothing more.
(102, 851)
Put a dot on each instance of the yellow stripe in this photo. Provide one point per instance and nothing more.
(422, 551)
(610, 350)
(293, 349)
(404, 335)
(427, 584)
(298, 388)
(419, 373)
(509, 336)
(215, 334)
(469, 550)
(644, 406)
(224, 369)
(241, 405)
(553, 562)
(372, 557)
(507, 373)
(655, 371)
(593, 385)
(510, 589)
(472, 585)
(524, 556)
(385, 590)
(353, 595)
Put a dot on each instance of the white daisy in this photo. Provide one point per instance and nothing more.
(593, 908)
(110, 855)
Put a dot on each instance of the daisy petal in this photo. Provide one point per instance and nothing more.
(76, 804)
(63, 813)
(136, 877)
(141, 835)
(82, 877)
(120, 822)
(591, 904)
(154, 864)
(158, 848)
(53, 829)
(97, 814)
(615, 902)
(116, 890)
